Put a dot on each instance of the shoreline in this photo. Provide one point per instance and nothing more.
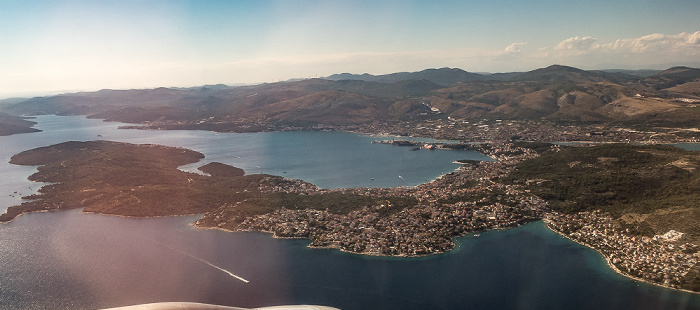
(335, 246)
(613, 267)
(309, 246)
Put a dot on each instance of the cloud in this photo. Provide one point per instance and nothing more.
(688, 43)
(515, 48)
(578, 44)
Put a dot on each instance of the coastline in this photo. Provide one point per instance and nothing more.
(613, 267)
(330, 247)
(334, 246)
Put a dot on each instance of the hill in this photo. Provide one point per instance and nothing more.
(556, 93)
(10, 125)
(442, 76)
(671, 77)
(651, 189)
(564, 74)
(638, 73)
(130, 180)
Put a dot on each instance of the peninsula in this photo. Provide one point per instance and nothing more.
(10, 125)
(143, 181)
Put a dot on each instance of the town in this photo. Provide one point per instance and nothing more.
(427, 228)
(659, 260)
(473, 199)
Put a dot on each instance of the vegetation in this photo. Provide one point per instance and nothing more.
(143, 180)
(556, 93)
(659, 183)
(539, 147)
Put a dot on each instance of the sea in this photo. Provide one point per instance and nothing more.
(71, 260)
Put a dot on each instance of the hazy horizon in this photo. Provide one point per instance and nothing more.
(40, 93)
(63, 46)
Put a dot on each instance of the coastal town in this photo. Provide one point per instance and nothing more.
(663, 259)
(499, 131)
(411, 221)
(442, 212)
(473, 199)
(480, 131)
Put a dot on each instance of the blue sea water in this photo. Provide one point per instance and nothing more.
(327, 159)
(689, 146)
(70, 260)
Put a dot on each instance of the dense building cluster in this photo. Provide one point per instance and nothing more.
(661, 261)
(459, 203)
(473, 198)
(507, 130)
(452, 129)
(424, 229)
(286, 185)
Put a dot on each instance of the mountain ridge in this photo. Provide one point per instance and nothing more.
(555, 93)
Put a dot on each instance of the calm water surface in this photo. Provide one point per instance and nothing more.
(70, 260)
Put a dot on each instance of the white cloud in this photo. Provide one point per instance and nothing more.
(578, 43)
(683, 42)
(515, 48)
(99, 69)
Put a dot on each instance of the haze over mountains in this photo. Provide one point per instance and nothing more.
(556, 93)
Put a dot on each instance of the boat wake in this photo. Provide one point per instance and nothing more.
(206, 262)
(217, 267)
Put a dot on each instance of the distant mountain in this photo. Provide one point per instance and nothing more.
(672, 77)
(451, 76)
(10, 101)
(565, 74)
(558, 93)
(442, 76)
(640, 73)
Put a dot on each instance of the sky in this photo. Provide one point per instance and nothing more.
(63, 46)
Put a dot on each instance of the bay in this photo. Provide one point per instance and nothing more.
(689, 146)
(327, 159)
(70, 260)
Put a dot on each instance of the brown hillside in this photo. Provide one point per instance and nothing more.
(329, 107)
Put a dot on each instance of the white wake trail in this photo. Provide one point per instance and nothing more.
(222, 269)
(206, 262)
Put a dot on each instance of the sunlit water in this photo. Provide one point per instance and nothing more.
(70, 260)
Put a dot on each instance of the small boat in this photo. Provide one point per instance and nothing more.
(429, 146)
